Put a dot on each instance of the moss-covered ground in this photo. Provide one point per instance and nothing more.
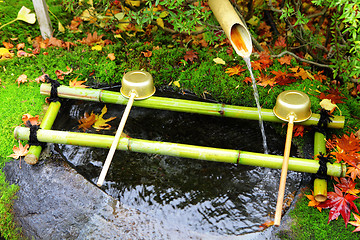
(168, 67)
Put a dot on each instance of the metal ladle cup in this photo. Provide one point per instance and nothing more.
(136, 85)
(291, 106)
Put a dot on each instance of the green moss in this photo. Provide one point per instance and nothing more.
(309, 223)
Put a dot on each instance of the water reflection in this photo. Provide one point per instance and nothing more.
(187, 194)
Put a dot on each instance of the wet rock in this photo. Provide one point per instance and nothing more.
(55, 202)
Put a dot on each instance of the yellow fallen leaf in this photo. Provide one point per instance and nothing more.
(25, 15)
(119, 16)
(160, 22)
(97, 48)
(89, 15)
(61, 27)
(4, 51)
(176, 83)
(219, 61)
(328, 105)
(100, 122)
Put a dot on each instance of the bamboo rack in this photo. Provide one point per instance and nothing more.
(179, 150)
(180, 105)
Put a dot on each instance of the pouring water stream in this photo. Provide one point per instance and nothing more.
(256, 96)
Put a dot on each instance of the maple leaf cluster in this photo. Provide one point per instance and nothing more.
(270, 78)
(347, 149)
(95, 120)
(340, 202)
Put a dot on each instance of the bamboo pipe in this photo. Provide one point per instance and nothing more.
(32, 157)
(320, 185)
(284, 170)
(116, 140)
(180, 150)
(233, 27)
(180, 105)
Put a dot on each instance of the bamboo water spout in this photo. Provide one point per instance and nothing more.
(233, 27)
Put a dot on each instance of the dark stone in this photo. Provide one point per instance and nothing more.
(55, 202)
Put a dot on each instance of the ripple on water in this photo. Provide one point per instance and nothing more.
(188, 194)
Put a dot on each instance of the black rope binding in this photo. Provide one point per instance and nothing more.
(33, 140)
(322, 171)
(53, 93)
(325, 119)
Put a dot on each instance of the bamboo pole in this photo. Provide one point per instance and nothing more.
(320, 185)
(284, 169)
(32, 157)
(180, 105)
(180, 150)
(116, 140)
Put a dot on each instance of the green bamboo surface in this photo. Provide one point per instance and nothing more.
(178, 150)
(33, 155)
(180, 105)
(320, 185)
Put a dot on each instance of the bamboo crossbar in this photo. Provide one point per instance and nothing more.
(179, 150)
(180, 105)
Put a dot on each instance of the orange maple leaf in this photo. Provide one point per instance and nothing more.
(87, 121)
(21, 79)
(300, 72)
(265, 59)
(313, 202)
(280, 42)
(256, 65)
(356, 223)
(319, 76)
(8, 45)
(265, 80)
(92, 39)
(19, 151)
(75, 83)
(60, 74)
(285, 60)
(30, 120)
(354, 172)
(149, 53)
(235, 70)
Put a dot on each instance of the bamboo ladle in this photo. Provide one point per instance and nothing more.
(136, 85)
(291, 106)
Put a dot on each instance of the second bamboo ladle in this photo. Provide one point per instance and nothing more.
(136, 85)
(291, 106)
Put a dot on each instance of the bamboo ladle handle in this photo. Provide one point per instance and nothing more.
(116, 140)
(284, 169)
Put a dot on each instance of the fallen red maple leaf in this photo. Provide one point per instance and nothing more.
(347, 185)
(339, 204)
(334, 96)
(299, 130)
(190, 55)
